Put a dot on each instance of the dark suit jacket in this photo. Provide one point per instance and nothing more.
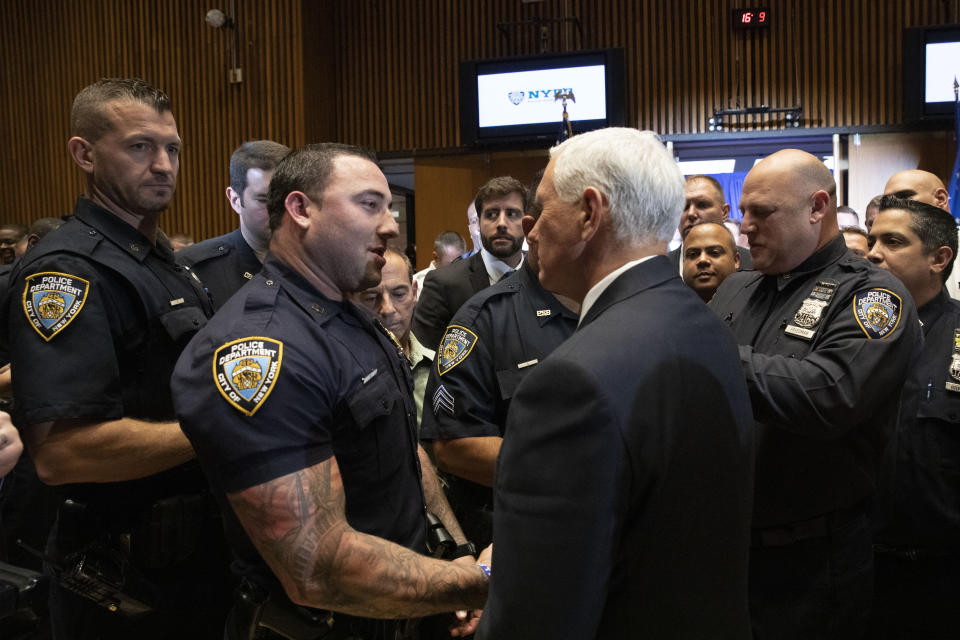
(623, 497)
(444, 292)
(746, 262)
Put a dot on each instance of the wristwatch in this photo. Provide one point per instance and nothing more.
(465, 549)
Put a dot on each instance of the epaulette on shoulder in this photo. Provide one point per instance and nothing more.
(255, 305)
(203, 251)
(744, 278)
(74, 237)
(853, 262)
(471, 308)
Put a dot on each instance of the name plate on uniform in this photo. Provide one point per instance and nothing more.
(806, 334)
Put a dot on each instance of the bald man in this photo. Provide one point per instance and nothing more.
(826, 340)
(709, 256)
(704, 201)
(915, 184)
(923, 186)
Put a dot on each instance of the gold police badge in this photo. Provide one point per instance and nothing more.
(51, 301)
(456, 345)
(246, 371)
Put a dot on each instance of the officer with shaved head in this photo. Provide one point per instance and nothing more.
(826, 340)
(915, 184)
(923, 186)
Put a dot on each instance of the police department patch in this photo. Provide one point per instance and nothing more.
(246, 371)
(456, 345)
(877, 312)
(52, 300)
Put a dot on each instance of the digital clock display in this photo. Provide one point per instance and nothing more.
(757, 18)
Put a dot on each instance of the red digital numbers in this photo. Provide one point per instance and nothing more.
(753, 18)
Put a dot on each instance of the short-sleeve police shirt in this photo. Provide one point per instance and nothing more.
(493, 341)
(97, 316)
(283, 378)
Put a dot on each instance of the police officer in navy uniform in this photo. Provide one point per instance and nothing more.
(227, 262)
(493, 341)
(826, 340)
(917, 546)
(299, 405)
(99, 315)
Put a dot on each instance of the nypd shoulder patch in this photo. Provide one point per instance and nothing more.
(51, 301)
(246, 371)
(877, 312)
(456, 345)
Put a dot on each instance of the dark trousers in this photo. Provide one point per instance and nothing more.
(816, 588)
(192, 599)
(916, 598)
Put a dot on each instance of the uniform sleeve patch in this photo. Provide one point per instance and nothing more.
(246, 370)
(456, 345)
(877, 312)
(51, 301)
(442, 401)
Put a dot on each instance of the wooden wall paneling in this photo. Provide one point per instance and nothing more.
(880, 155)
(53, 49)
(320, 74)
(446, 185)
(682, 59)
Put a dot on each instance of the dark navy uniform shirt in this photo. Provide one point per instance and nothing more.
(5, 271)
(825, 349)
(923, 495)
(491, 343)
(283, 378)
(97, 316)
(224, 264)
(494, 340)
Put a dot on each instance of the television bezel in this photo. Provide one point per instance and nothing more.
(547, 132)
(915, 44)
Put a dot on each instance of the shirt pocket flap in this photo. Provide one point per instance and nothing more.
(181, 322)
(509, 379)
(371, 401)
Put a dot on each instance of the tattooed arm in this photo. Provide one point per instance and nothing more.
(299, 526)
(437, 502)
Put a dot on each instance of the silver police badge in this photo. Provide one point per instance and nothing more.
(456, 345)
(246, 371)
(516, 97)
(51, 301)
(877, 312)
(955, 367)
(955, 363)
(810, 313)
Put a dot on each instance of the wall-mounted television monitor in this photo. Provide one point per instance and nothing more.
(513, 100)
(931, 61)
